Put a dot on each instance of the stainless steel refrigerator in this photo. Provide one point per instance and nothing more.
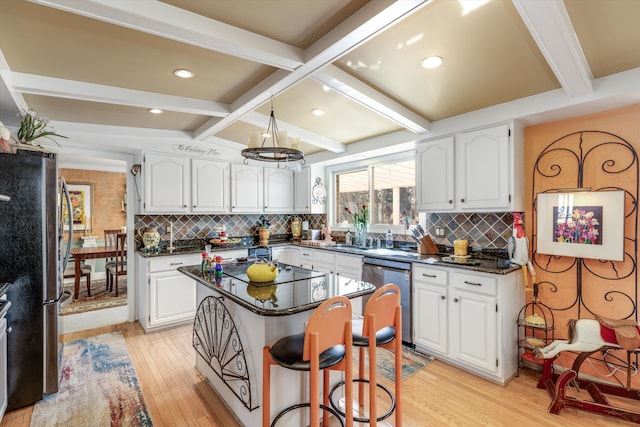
(29, 260)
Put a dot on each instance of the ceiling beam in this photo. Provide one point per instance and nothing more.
(354, 89)
(367, 22)
(550, 26)
(70, 89)
(164, 20)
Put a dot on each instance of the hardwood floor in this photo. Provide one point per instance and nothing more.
(438, 395)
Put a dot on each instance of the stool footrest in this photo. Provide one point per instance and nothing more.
(361, 419)
(285, 411)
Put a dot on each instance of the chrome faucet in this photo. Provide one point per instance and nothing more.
(370, 239)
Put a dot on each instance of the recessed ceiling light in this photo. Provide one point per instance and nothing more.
(155, 111)
(318, 111)
(183, 74)
(432, 62)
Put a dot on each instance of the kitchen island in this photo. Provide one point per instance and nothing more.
(236, 318)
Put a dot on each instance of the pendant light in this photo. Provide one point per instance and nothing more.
(275, 145)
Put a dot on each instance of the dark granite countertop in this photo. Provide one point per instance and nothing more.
(295, 289)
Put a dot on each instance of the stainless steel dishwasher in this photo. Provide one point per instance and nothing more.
(379, 272)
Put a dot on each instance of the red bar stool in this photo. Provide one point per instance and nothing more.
(325, 345)
(382, 319)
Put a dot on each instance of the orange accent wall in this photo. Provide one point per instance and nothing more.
(559, 288)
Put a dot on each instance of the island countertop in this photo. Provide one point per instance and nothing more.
(295, 289)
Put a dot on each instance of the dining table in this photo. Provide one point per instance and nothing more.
(81, 254)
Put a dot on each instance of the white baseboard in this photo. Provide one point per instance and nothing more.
(92, 319)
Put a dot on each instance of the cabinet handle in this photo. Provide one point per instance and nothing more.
(462, 200)
(443, 297)
(176, 263)
(450, 202)
(184, 206)
(428, 275)
(194, 206)
(455, 300)
(472, 283)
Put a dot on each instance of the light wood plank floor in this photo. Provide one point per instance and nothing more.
(438, 395)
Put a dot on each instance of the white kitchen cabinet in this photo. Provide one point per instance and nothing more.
(472, 171)
(468, 318)
(306, 258)
(483, 169)
(278, 190)
(287, 255)
(167, 297)
(349, 266)
(209, 186)
(182, 185)
(324, 261)
(430, 323)
(302, 190)
(246, 188)
(435, 175)
(166, 184)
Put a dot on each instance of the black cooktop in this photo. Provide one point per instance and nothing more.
(286, 273)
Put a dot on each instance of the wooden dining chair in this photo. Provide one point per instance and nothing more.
(119, 267)
(85, 271)
(110, 241)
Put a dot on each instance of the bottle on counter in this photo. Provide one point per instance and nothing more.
(204, 262)
(389, 242)
(218, 268)
(348, 238)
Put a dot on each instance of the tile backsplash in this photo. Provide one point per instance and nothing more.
(486, 230)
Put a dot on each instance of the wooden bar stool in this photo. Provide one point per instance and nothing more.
(325, 345)
(382, 319)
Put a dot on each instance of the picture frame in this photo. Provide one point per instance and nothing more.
(586, 224)
(81, 206)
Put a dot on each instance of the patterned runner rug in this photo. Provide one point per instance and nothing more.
(412, 362)
(98, 387)
(100, 297)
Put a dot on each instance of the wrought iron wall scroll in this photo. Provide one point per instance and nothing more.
(600, 161)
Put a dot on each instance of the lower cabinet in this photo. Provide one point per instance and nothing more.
(468, 319)
(167, 297)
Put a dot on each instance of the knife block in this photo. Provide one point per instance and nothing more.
(426, 246)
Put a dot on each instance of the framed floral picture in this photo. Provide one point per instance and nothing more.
(586, 224)
(80, 205)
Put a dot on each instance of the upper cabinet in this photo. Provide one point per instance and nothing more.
(166, 184)
(209, 186)
(182, 185)
(302, 191)
(278, 190)
(473, 171)
(246, 189)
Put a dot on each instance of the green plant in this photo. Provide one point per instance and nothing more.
(264, 222)
(359, 216)
(33, 127)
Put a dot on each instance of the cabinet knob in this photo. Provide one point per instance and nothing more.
(194, 206)
(184, 206)
(462, 200)
(450, 202)
(455, 300)
(442, 296)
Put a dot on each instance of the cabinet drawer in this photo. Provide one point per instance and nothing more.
(324, 257)
(172, 262)
(306, 255)
(431, 275)
(349, 261)
(475, 283)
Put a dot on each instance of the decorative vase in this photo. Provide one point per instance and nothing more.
(150, 237)
(360, 234)
(296, 228)
(264, 234)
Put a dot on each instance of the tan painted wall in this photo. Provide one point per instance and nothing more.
(560, 282)
(107, 194)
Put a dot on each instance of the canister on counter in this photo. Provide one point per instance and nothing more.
(460, 247)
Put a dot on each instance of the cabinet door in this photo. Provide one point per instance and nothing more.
(473, 329)
(287, 255)
(246, 188)
(278, 190)
(209, 186)
(302, 191)
(172, 298)
(482, 169)
(166, 184)
(435, 175)
(430, 316)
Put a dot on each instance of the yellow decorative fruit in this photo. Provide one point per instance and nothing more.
(262, 272)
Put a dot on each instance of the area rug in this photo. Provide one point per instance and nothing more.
(100, 298)
(98, 387)
(412, 362)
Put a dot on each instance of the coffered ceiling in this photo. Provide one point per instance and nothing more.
(98, 66)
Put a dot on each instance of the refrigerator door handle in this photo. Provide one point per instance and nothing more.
(67, 197)
(4, 198)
